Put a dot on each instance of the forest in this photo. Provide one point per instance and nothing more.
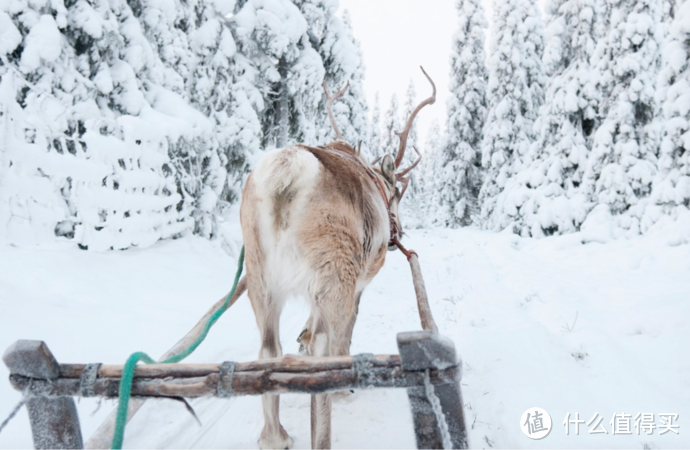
(129, 121)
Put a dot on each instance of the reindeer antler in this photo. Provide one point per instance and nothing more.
(404, 172)
(329, 102)
(403, 135)
(405, 182)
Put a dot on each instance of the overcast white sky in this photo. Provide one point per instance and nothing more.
(397, 36)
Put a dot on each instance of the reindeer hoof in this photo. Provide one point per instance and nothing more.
(278, 441)
(303, 339)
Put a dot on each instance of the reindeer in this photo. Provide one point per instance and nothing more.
(317, 222)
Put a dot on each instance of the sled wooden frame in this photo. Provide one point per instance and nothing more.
(427, 367)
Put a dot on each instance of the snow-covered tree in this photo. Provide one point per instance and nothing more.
(548, 190)
(669, 10)
(620, 170)
(514, 93)
(342, 59)
(84, 132)
(460, 172)
(429, 204)
(671, 187)
(375, 140)
(391, 124)
(410, 105)
(273, 35)
(533, 51)
(127, 121)
(412, 198)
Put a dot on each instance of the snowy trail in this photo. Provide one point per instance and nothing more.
(507, 303)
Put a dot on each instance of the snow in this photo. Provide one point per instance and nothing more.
(42, 44)
(10, 37)
(569, 327)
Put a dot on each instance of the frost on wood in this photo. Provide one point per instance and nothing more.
(54, 421)
(433, 399)
(436, 410)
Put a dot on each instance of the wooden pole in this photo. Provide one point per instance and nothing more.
(287, 363)
(277, 376)
(428, 322)
(54, 421)
(103, 436)
(437, 412)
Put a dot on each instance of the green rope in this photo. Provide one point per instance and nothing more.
(128, 371)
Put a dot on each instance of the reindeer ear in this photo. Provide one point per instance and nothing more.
(388, 169)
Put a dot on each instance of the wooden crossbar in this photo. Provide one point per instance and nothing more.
(427, 367)
(254, 378)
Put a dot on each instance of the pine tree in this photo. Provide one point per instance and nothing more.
(273, 35)
(513, 98)
(412, 194)
(429, 204)
(82, 130)
(671, 187)
(410, 105)
(411, 206)
(669, 10)
(533, 51)
(549, 189)
(375, 140)
(342, 59)
(460, 173)
(210, 86)
(391, 124)
(621, 167)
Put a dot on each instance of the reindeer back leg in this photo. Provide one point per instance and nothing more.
(267, 308)
(334, 309)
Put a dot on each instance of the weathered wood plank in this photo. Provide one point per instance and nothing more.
(427, 319)
(436, 407)
(243, 383)
(54, 421)
(288, 363)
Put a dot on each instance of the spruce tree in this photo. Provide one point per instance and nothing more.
(375, 138)
(514, 93)
(342, 59)
(430, 183)
(620, 170)
(549, 189)
(460, 172)
(213, 49)
(84, 89)
(671, 187)
(391, 124)
(273, 35)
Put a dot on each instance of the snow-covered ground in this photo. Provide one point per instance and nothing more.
(551, 323)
